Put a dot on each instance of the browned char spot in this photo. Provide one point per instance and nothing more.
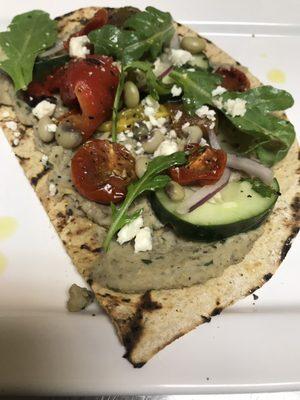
(34, 181)
(288, 243)
(136, 327)
(216, 311)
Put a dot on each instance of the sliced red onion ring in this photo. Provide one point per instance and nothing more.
(165, 72)
(213, 140)
(203, 194)
(251, 167)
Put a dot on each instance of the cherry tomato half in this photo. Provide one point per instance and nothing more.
(102, 170)
(233, 79)
(205, 166)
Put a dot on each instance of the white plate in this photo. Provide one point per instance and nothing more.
(253, 346)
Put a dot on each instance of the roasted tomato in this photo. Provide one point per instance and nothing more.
(205, 166)
(102, 170)
(89, 84)
(99, 19)
(179, 120)
(92, 83)
(233, 79)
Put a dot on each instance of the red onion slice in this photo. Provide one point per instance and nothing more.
(251, 167)
(213, 140)
(57, 47)
(165, 72)
(203, 194)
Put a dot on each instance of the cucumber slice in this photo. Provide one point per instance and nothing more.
(236, 208)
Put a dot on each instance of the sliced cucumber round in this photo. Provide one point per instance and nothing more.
(236, 208)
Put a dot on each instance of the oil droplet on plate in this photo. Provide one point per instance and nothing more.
(8, 226)
(276, 76)
(2, 263)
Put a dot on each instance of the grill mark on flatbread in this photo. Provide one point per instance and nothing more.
(35, 180)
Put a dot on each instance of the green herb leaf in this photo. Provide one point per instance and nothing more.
(155, 86)
(261, 188)
(145, 32)
(125, 218)
(270, 136)
(29, 34)
(150, 181)
(264, 98)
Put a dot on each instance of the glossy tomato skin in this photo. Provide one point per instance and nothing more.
(88, 85)
(233, 79)
(101, 171)
(205, 166)
(92, 84)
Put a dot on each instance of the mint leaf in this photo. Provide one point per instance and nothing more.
(144, 32)
(28, 35)
(261, 188)
(150, 181)
(266, 136)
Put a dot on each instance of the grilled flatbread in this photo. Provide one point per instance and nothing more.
(147, 322)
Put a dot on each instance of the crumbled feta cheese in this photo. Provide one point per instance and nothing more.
(12, 125)
(166, 148)
(186, 125)
(151, 106)
(191, 69)
(162, 129)
(117, 64)
(51, 128)
(203, 142)
(129, 134)
(205, 112)
(43, 109)
(52, 189)
(143, 240)
(178, 115)
(218, 102)
(176, 91)
(5, 114)
(172, 134)
(121, 137)
(77, 46)
(128, 146)
(180, 57)
(159, 122)
(218, 91)
(44, 160)
(139, 151)
(17, 134)
(129, 231)
(16, 141)
(148, 125)
(235, 107)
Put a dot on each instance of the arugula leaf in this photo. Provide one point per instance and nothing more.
(261, 188)
(265, 98)
(272, 136)
(150, 181)
(156, 87)
(143, 32)
(125, 218)
(28, 35)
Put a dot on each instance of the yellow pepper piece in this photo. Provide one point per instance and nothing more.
(127, 118)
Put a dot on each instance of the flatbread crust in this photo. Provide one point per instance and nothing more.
(147, 323)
